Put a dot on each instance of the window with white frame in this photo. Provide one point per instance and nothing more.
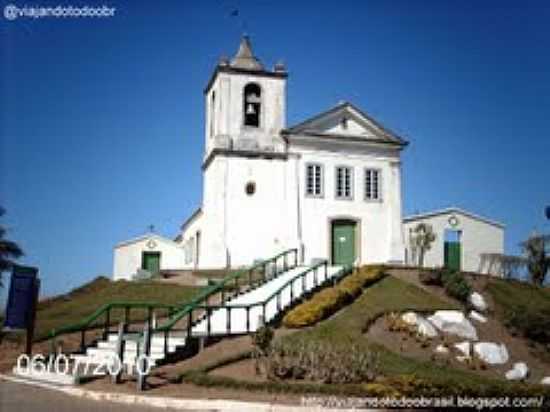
(314, 180)
(189, 250)
(373, 188)
(344, 182)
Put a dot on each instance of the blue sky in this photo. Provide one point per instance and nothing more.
(101, 120)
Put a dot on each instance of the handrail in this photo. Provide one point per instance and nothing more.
(204, 294)
(103, 309)
(291, 281)
(247, 306)
(274, 294)
(219, 286)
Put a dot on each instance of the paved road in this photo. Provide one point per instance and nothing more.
(15, 397)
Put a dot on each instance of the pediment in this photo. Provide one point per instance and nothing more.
(345, 120)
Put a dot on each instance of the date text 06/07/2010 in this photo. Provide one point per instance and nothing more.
(70, 365)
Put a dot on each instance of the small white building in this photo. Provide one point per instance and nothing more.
(329, 186)
(460, 238)
(149, 252)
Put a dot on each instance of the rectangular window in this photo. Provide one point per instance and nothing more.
(344, 183)
(314, 180)
(373, 185)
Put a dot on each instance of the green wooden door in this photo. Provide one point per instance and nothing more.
(343, 242)
(151, 262)
(452, 255)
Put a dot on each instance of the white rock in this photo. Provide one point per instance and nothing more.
(409, 318)
(453, 322)
(423, 327)
(478, 301)
(465, 348)
(545, 381)
(478, 316)
(491, 353)
(518, 372)
(442, 349)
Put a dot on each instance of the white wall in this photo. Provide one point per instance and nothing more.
(189, 235)
(379, 222)
(127, 256)
(228, 119)
(477, 237)
(241, 228)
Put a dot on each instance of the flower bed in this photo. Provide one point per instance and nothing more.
(328, 301)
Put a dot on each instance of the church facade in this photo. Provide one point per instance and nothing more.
(329, 186)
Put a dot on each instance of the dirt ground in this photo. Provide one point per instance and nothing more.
(13, 346)
(478, 283)
(244, 369)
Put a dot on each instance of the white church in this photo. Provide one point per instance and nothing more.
(329, 186)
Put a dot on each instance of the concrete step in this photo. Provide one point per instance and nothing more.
(102, 353)
(95, 358)
(173, 340)
(131, 346)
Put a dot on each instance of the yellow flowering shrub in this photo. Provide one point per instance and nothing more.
(328, 301)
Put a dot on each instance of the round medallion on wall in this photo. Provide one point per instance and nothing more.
(151, 244)
(453, 221)
(250, 188)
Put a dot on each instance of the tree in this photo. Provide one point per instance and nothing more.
(9, 250)
(421, 239)
(538, 262)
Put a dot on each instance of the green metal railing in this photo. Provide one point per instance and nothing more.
(233, 280)
(105, 311)
(279, 264)
(277, 294)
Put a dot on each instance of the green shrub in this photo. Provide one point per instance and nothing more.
(431, 277)
(261, 344)
(316, 309)
(352, 286)
(531, 324)
(456, 286)
(454, 282)
(328, 301)
(436, 277)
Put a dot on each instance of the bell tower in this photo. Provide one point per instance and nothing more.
(245, 104)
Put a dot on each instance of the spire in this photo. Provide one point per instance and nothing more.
(245, 59)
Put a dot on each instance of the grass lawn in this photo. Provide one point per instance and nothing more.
(525, 310)
(74, 306)
(514, 295)
(390, 294)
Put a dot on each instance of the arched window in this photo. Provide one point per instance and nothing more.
(252, 105)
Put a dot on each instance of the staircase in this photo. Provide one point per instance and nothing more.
(239, 304)
(245, 313)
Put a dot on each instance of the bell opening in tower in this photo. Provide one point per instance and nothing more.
(252, 105)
